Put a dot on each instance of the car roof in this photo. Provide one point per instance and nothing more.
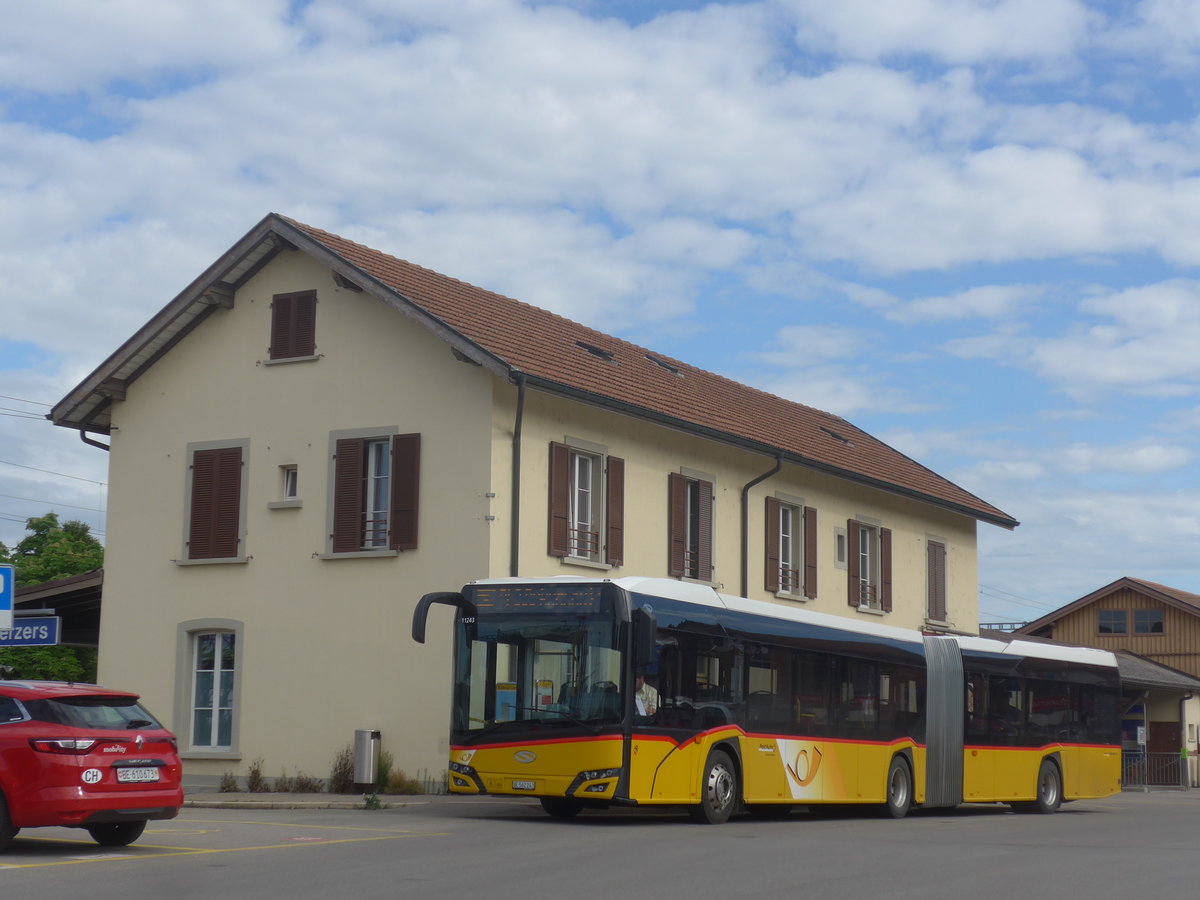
(25, 690)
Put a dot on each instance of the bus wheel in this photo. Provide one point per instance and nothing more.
(718, 790)
(561, 807)
(899, 788)
(1049, 790)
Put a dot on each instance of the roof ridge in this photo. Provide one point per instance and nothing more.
(538, 342)
(679, 363)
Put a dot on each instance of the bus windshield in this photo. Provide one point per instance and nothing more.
(517, 669)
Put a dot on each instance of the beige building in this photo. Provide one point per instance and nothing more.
(314, 434)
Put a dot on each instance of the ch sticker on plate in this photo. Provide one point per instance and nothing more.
(92, 776)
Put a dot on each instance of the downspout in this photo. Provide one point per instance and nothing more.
(746, 522)
(1185, 775)
(91, 443)
(514, 553)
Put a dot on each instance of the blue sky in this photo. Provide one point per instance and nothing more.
(972, 228)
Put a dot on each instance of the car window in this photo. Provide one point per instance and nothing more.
(10, 711)
(92, 712)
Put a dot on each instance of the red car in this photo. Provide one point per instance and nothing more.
(86, 757)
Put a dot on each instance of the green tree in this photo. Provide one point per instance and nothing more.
(51, 550)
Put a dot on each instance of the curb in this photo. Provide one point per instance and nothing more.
(252, 801)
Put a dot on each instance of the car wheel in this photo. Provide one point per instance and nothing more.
(718, 790)
(7, 831)
(116, 834)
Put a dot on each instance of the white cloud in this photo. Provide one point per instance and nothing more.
(63, 46)
(985, 301)
(957, 31)
(1145, 342)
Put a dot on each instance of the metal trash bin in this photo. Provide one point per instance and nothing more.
(366, 759)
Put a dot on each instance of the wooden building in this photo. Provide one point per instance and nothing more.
(1155, 630)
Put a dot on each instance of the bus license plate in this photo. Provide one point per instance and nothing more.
(137, 776)
(523, 785)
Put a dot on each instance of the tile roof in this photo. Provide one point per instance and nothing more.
(551, 349)
(1189, 603)
(547, 351)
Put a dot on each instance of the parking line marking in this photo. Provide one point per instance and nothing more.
(201, 851)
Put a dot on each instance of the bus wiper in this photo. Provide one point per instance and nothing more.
(558, 712)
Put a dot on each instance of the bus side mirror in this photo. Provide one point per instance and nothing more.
(421, 613)
(644, 628)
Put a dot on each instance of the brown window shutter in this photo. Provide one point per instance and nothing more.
(885, 569)
(214, 526)
(704, 553)
(810, 552)
(935, 562)
(348, 501)
(559, 534)
(771, 536)
(852, 571)
(293, 325)
(676, 523)
(405, 491)
(614, 512)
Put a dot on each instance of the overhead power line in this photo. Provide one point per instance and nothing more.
(49, 472)
(23, 400)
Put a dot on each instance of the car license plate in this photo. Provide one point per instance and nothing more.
(135, 776)
(523, 785)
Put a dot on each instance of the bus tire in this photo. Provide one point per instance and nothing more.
(718, 790)
(899, 788)
(1048, 793)
(561, 807)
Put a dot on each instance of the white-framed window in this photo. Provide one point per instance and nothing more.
(586, 509)
(213, 673)
(377, 472)
(289, 488)
(208, 670)
(587, 504)
(690, 525)
(791, 548)
(374, 489)
(869, 565)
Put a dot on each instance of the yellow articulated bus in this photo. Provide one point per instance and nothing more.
(646, 692)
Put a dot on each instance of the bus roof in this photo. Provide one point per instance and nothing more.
(703, 595)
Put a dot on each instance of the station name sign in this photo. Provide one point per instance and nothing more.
(31, 631)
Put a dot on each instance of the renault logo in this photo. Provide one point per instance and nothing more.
(524, 756)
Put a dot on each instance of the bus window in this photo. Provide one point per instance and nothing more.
(901, 702)
(811, 688)
(768, 689)
(1006, 707)
(1049, 709)
(975, 718)
(856, 697)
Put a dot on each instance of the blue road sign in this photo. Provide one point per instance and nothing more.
(8, 577)
(31, 631)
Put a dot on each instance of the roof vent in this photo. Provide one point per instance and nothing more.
(837, 437)
(674, 370)
(606, 355)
